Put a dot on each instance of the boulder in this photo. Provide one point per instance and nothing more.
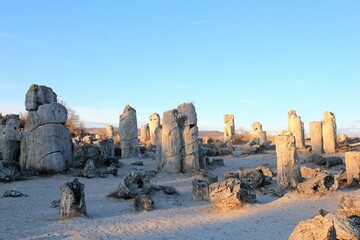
(319, 228)
(320, 184)
(38, 95)
(231, 193)
(72, 201)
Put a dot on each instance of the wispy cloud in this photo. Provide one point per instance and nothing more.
(5, 34)
(204, 21)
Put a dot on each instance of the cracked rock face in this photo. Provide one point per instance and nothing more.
(46, 146)
(178, 150)
(128, 132)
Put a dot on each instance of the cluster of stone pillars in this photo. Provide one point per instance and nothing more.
(323, 134)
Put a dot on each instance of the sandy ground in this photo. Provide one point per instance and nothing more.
(174, 216)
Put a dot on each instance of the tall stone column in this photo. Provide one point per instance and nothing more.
(329, 133)
(46, 146)
(190, 138)
(171, 143)
(229, 128)
(296, 127)
(316, 137)
(288, 170)
(128, 133)
(154, 123)
(352, 165)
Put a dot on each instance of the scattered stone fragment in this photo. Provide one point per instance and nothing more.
(13, 193)
(72, 201)
(200, 190)
(143, 202)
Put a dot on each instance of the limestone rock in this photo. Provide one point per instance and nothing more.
(320, 184)
(319, 228)
(154, 123)
(72, 201)
(47, 148)
(316, 137)
(38, 95)
(90, 169)
(349, 206)
(345, 228)
(288, 170)
(352, 165)
(134, 184)
(13, 193)
(171, 157)
(200, 190)
(109, 131)
(229, 128)
(9, 171)
(143, 202)
(144, 133)
(107, 148)
(231, 193)
(296, 127)
(128, 133)
(329, 133)
(52, 113)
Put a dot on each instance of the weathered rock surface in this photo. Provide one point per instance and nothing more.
(316, 137)
(90, 169)
(352, 165)
(154, 123)
(231, 193)
(72, 201)
(143, 202)
(200, 190)
(288, 170)
(9, 171)
(134, 184)
(329, 133)
(321, 184)
(296, 127)
(349, 206)
(38, 95)
(128, 133)
(13, 193)
(319, 228)
(229, 128)
(46, 146)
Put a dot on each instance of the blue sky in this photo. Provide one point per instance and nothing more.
(254, 59)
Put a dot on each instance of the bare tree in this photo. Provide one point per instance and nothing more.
(73, 122)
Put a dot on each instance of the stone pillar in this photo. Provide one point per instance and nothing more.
(72, 201)
(296, 127)
(46, 146)
(144, 133)
(109, 131)
(154, 123)
(179, 147)
(10, 137)
(352, 166)
(190, 140)
(128, 133)
(229, 128)
(171, 143)
(258, 134)
(288, 171)
(329, 133)
(316, 137)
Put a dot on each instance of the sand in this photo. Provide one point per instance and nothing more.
(174, 216)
